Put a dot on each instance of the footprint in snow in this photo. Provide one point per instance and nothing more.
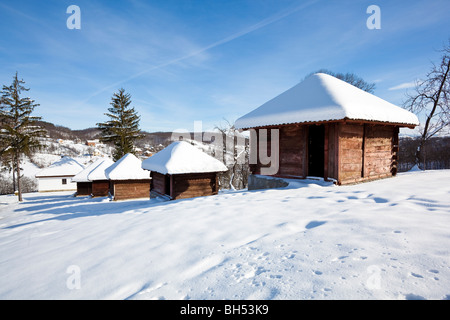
(416, 275)
(314, 224)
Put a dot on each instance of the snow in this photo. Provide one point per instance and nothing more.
(322, 97)
(127, 168)
(94, 171)
(98, 173)
(415, 168)
(82, 176)
(386, 239)
(66, 166)
(182, 157)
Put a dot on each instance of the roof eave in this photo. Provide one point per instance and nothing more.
(345, 120)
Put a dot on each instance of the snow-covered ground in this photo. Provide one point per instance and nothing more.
(387, 239)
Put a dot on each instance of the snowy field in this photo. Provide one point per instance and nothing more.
(387, 239)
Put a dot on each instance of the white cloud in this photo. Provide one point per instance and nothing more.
(404, 85)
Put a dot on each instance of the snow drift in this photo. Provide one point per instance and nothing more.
(387, 239)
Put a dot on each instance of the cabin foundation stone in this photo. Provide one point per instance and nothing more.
(257, 182)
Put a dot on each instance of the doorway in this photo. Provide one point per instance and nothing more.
(316, 144)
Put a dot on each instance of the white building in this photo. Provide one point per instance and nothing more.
(58, 176)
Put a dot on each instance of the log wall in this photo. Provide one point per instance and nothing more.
(158, 182)
(292, 151)
(84, 188)
(100, 188)
(193, 185)
(131, 189)
(350, 152)
(366, 152)
(353, 152)
(379, 151)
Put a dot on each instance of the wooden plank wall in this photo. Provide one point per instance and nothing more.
(365, 152)
(292, 151)
(158, 182)
(353, 152)
(194, 185)
(131, 189)
(100, 188)
(378, 151)
(84, 188)
(333, 148)
(350, 152)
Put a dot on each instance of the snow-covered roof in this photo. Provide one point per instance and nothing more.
(182, 157)
(98, 173)
(93, 171)
(127, 168)
(82, 176)
(64, 167)
(322, 97)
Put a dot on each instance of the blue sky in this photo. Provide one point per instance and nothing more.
(207, 60)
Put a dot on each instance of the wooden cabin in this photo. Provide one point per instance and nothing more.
(84, 185)
(181, 170)
(127, 180)
(92, 180)
(58, 176)
(325, 127)
(99, 181)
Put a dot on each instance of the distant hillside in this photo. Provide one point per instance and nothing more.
(61, 132)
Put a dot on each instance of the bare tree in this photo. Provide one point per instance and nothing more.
(350, 78)
(235, 151)
(431, 98)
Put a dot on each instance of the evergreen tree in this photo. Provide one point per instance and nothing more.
(19, 134)
(123, 127)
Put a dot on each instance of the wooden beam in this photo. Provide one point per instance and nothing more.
(171, 185)
(305, 153)
(363, 160)
(325, 153)
(337, 134)
(346, 120)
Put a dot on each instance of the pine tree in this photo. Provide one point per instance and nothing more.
(19, 134)
(123, 127)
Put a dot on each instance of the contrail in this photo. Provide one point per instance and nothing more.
(257, 26)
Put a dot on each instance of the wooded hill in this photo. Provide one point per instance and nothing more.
(61, 132)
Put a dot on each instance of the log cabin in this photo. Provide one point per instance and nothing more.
(324, 127)
(84, 185)
(181, 171)
(127, 180)
(92, 180)
(98, 179)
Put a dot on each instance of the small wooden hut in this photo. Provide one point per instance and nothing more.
(99, 181)
(127, 180)
(183, 171)
(84, 185)
(328, 128)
